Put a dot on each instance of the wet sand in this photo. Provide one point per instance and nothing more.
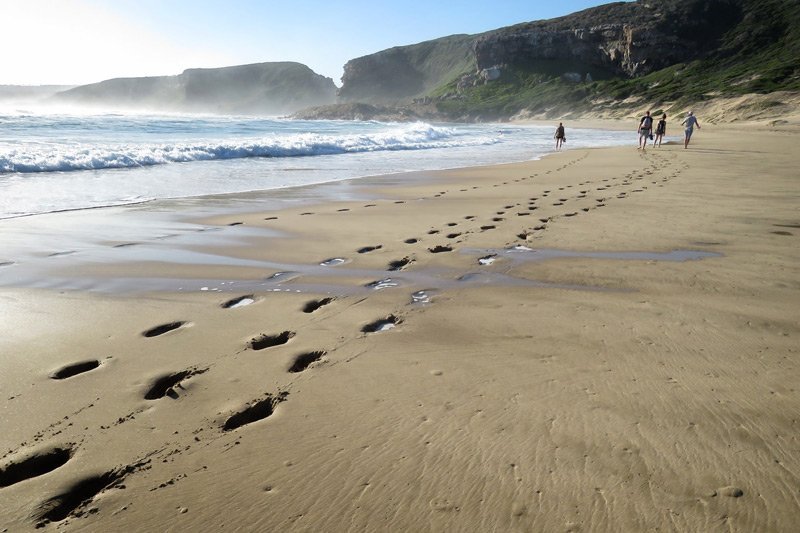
(604, 340)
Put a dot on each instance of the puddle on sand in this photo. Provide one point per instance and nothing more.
(521, 253)
(381, 284)
(334, 261)
(423, 297)
(282, 276)
(349, 281)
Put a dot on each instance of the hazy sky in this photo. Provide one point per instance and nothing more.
(84, 41)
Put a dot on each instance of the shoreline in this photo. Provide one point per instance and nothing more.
(552, 388)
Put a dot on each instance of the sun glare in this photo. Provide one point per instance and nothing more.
(76, 42)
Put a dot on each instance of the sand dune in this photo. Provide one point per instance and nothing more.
(605, 340)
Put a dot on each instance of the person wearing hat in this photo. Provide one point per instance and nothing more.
(690, 122)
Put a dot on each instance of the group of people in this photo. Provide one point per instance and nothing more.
(645, 131)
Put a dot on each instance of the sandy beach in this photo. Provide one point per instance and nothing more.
(603, 340)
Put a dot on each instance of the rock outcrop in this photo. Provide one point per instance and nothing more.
(621, 39)
(263, 88)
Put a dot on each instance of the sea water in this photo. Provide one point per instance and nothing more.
(53, 162)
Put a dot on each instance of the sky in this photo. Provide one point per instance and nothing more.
(75, 42)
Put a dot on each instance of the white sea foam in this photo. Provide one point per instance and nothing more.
(56, 162)
(50, 157)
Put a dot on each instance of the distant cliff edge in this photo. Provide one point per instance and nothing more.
(260, 88)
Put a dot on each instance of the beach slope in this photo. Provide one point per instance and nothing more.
(603, 340)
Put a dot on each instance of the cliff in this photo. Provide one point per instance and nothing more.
(607, 59)
(263, 88)
(405, 72)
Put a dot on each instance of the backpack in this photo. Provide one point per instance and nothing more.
(647, 122)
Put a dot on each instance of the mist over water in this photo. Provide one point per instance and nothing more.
(59, 161)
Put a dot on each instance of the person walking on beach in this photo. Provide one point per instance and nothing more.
(661, 129)
(690, 122)
(560, 136)
(645, 130)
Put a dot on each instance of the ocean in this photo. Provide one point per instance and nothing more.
(52, 162)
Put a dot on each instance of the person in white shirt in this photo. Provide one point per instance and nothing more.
(690, 122)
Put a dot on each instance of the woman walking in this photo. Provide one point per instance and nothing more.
(661, 129)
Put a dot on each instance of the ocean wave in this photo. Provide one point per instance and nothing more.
(32, 158)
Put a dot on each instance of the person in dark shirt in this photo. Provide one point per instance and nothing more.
(661, 130)
(645, 130)
(560, 136)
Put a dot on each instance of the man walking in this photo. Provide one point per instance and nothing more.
(690, 122)
(645, 130)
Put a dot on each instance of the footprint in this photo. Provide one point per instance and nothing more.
(164, 328)
(254, 412)
(165, 385)
(400, 263)
(367, 249)
(78, 496)
(411, 241)
(498, 219)
(433, 232)
(271, 218)
(239, 301)
(384, 324)
(333, 261)
(451, 224)
(381, 284)
(236, 223)
(730, 492)
(439, 249)
(484, 228)
(282, 276)
(74, 369)
(35, 465)
(313, 305)
(303, 361)
(306, 213)
(344, 209)
(453, 235)
(268, 341)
